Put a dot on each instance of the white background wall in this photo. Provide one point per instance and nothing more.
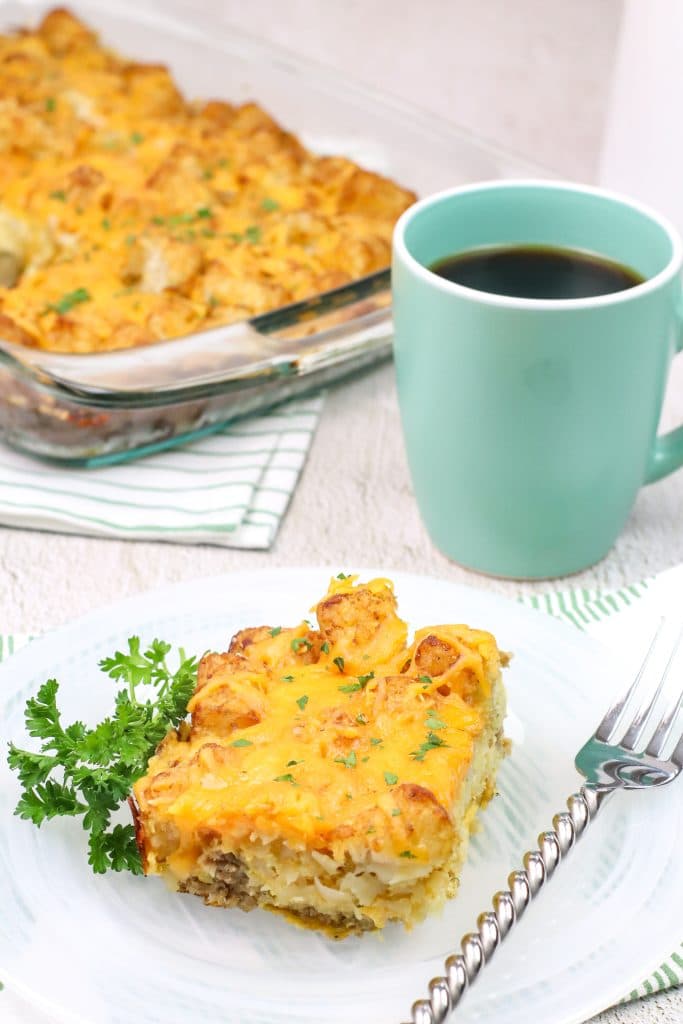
(643, 145)
(532, 74)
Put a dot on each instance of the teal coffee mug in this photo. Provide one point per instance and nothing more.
(531, 423)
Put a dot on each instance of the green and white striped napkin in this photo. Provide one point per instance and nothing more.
(230, 488)
(585, 609)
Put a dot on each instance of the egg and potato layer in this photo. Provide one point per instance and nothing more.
(331, 773)
(129, 214)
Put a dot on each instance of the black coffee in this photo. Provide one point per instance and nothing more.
(536, 272)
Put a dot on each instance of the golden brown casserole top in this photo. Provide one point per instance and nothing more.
(341, 738)
(130, 214)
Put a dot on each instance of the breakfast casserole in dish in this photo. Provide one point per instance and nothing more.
(332, 772)
(130, 215)
(169, 263)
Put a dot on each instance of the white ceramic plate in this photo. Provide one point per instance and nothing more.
(113, 949)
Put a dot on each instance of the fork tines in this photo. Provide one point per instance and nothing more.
(635, 709)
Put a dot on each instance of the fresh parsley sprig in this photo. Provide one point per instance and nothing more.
(89, 772)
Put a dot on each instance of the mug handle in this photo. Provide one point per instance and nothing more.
(667, 453)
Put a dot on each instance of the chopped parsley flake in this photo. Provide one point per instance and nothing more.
(366, 758)
(302, 701)
(426, 680)
(408, 854)
(275, 631)
(300, 641)
(106, 223)
(131, 239)
(176, 219)
(136, 138)
(395, 813)
(253, 234)
(325, 648)
(370, 830)
(430, 743)
(339, 662)
(287, 679)
(342, 576)
(348, 762)
(69, 300)
(390, 778)
(50, 104)
(375, 740)
(291, 763)
(360, 685)
(269, 205)
(241, 742)
(361, 719)
(286, 778)
(433, 720)
(59, 194)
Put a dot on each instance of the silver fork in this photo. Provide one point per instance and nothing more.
(608, 764)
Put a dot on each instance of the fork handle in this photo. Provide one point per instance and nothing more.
(478, 947)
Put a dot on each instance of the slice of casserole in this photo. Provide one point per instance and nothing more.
(333, 774)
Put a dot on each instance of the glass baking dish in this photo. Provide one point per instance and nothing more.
(105, 407)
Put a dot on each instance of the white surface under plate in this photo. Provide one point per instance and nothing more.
(116, 948)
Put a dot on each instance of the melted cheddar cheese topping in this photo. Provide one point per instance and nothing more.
(129, 214)
(342, 740)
